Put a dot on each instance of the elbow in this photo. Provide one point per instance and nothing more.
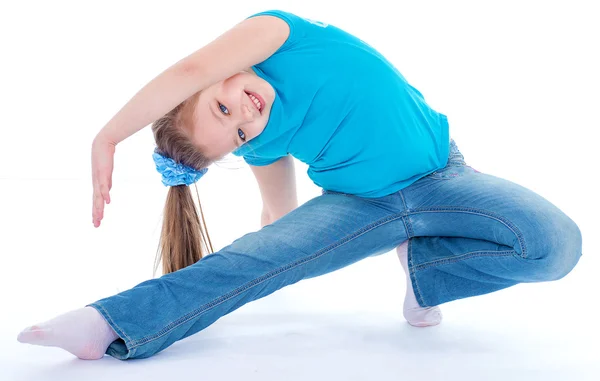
(186, 68)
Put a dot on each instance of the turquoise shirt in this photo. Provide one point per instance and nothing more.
(347, 112)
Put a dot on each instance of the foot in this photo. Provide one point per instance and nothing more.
(413, 313)
(83, 332)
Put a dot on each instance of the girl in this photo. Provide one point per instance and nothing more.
(277, 85)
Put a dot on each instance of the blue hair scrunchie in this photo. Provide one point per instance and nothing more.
(175, 173)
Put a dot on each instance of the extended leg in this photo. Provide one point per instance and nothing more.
(325, 234)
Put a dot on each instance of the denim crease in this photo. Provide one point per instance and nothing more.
(469, 233)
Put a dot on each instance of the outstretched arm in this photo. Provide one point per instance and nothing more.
(248, 43)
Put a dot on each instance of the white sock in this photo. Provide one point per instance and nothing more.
(83, 332)
(413, 313)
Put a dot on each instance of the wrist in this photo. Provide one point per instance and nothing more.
(104, 137)
(264, 218)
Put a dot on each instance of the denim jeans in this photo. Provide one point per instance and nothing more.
(469, 234)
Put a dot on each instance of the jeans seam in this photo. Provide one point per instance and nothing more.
(207, 307)
(481, 212)
(472, 254)
(413, 276)
(413, 269)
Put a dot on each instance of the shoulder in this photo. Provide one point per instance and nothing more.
(275, 20)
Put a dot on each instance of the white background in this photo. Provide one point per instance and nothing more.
(518, 81)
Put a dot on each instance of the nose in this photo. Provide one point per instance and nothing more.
(247, 114)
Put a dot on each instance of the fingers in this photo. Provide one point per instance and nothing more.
(105, 194)
(97, 209)
(101, 195)
(102, 166)
(99, 198)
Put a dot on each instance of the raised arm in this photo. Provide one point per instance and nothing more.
(248, 43)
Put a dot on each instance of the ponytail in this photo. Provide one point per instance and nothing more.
(183, 239)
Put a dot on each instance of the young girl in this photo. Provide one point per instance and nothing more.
(277, 85)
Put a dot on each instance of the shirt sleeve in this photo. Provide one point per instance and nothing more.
(260, 161)
(292, 21)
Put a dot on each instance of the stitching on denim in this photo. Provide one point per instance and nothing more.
(117, 355)
(462, 257)
(417, 291)
(406, 219)
(484, 213)
(207, 307)
(410, 234)
(113, 321)
(407, 227)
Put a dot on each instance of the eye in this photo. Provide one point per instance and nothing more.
(224, 109)
(242, 135)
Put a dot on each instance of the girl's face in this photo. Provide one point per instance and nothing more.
(226, 116)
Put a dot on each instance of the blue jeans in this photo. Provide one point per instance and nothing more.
(469, 234)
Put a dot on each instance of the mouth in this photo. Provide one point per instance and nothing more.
(255, 98)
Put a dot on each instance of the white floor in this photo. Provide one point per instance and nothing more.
(522, 105)
(345, 325)
(511, 335)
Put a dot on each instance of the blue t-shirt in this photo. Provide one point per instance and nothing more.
(347, 112)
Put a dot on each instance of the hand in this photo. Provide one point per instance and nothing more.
(103, 152)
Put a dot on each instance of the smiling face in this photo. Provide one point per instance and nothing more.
(227, 113)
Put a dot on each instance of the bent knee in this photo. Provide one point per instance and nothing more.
(560, 253)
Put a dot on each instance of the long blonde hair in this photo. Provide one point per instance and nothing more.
(183, 239)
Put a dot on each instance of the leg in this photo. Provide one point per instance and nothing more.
(472, 233)
(325, 234)
(414, 314)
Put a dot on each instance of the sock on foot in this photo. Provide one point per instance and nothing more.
(413, 313)
(83, 332)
